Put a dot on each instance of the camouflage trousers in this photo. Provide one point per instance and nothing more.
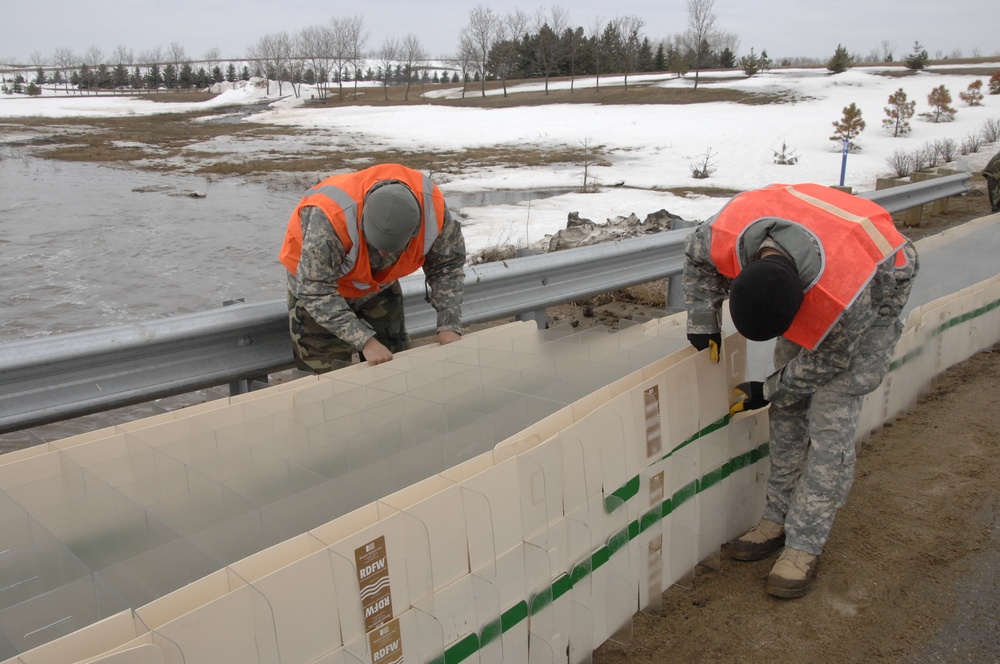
(993, 190)
(317, 350)
(813, 449)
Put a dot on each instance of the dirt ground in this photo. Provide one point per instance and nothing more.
(910, 573)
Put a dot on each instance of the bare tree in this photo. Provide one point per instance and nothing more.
(65, 60)
(176, 53)
(465, 59)
(888, 50)
(548, 46)
(122, 55)
(629, 28)
(93, 56)
(212, 55)
(273, 53)
(410, 53)
(597, 31)
(317, 44)
(355, 38)
(387, 55)
(700, 33)
(481, 33)
(341, 31)
(504, 54)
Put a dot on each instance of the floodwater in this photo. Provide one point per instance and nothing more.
(85, 246)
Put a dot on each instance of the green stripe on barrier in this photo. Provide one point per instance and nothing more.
(462, 650)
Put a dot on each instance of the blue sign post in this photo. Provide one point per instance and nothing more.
(843, 162)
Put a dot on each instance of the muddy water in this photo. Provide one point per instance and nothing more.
(85, 246)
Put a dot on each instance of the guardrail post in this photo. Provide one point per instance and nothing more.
(908, 218)
(540, 318)
(940, 206)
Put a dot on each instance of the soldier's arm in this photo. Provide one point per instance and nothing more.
(704, 287)
(809, 370)
(445, 275)
(316, 280)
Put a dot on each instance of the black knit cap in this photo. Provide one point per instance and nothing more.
(765, 297)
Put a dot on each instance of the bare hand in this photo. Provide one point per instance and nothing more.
(447, 337)
(375, 352)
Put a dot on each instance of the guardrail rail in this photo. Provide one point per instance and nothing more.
(80, 373)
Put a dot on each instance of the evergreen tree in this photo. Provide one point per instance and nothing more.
(231, 73)
(765, 62)
(750, 64)
(898, 113)
(170, 76)
(186, 78)
(245, 73)
(660, 60)
(120, 76)
(848, 127)
(40, 76)
(973, 95)
(917, 59)
(940, 101)
(217, 76)
(841, 61)
(727, 59)
(153, 77)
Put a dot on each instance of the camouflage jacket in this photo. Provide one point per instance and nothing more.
(314, 285)
(870, 326)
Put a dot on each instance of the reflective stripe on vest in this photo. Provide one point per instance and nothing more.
(855, 237)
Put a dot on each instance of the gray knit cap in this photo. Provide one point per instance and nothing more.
(391, 217)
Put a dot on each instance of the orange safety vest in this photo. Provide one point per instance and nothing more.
(342, 198)
(855, 237)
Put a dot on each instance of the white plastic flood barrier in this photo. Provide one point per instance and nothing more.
(543, 487)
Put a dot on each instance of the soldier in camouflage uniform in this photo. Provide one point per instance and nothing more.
(992, 175)
(330, 318)
(821, 377)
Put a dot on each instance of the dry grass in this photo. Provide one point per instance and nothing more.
(169, 141)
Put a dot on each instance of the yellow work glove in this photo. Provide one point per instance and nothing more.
(751, 397)
(711, 341)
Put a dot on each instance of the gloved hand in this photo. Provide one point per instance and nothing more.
(751, 397)
(711, 341)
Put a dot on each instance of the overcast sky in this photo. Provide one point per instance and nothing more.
(785, 28)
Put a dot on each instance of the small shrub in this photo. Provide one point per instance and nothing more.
(990, 131)
(918, 58)
(703, 169)
(931, 155)
(901, 163)
(840, 62)
(947, 149)
(898, 113)
(941, 109)
(920, 158)
(972, 142)
(786, 156)
(973, 95)
(848, 127)
(995, 83)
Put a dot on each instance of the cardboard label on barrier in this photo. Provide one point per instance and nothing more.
(373, 578)
(654, 438)
(656, 492)
(386, 643)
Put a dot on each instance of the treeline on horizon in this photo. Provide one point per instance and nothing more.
(491, 47)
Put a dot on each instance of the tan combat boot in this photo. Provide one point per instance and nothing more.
(792, 573)
(759, 542)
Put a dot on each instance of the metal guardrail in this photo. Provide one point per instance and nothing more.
(80, 373)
